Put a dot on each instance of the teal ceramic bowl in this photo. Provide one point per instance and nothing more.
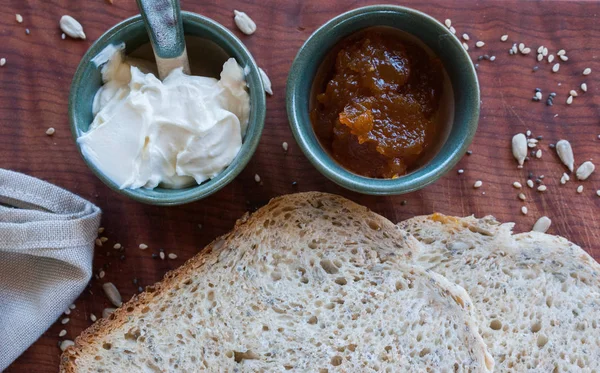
(462, 79)
(132, 31)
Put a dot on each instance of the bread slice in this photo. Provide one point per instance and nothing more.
(537, 296)
(310, 283)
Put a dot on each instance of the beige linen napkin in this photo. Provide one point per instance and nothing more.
(46, 246)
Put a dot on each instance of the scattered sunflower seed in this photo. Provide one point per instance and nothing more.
(66, 344)
(103, 239)
(461, 171)
(519, 148)
(504, 38)
(561, 52)
(550, 58)
(50, 131)
(538, 96)
(112, 293)
(542, 188)
(62, 333)
(100, 230)
(564, 178)
(540, 50)
(580, 189)
(555, 67)
(65, 320)
(448, 23)
(101, 274)
(285, 146)
(63, 36)
(266, 81)
(244, 22)
(585, 170)
(542, 225)
(27, 32)
(517, 185)
(479, 44)
(526, 51)
(521, 47)
(478, 184)
(452, 29)
(530, 183)
(522, 197)
(584, 87)
(587, 71)
(493, 58)
(98, 242)
(564, 58)
(117, 246)
(573, 93)
(569, 100)
(19, 18)
(466, 37)
(71, 27)
(172, 256)
(540, 57)
(2, 61)
(524, 210)
(93, 317)
(538, 154)
(143, 246)
(107, 312)
(545, 52)
(598, 192)
(465, 46)
(257, 178)
(565, 153)
(67, 312)
(162, 255)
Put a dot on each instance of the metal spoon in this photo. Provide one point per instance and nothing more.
(165, 29)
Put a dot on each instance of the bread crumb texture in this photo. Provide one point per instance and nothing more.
(536, 296)
(309, 283)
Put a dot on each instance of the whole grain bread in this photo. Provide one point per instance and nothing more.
(311, 282)
(537, 296)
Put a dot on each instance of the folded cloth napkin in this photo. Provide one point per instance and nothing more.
(46, 247)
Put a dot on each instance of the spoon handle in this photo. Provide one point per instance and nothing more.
(165, 28)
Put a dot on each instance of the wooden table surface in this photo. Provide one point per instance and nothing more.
(34, 86)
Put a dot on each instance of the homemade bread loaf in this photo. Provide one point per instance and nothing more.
(536, 296)
(310, 283)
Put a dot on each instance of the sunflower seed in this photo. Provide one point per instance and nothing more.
(98, 242)
(565, 153)
(448, 23)
(585, 170)
(542, 188)
(584, 87)
(540, 57)
(587, 71)
(521, 47)
(257, 178)
(542, 225)
(465, 46)
(62, 333)
(564, 178)
(478, 184)
(19, 18)
(107, 312)
(545, 52)
(71, 27)
(555, 67)
(67, 312)
(564, 58)
(524, 210)
(112, 293)
(162, 255)
(504, 38)
(2, 62)
(452, 29)
(540, 50)
(517, 185)
(479, 44)
(598, 192)
(530, 183)
(569, 100)
(93, 317)
(493, 58)
(266, 81)
(519, 148)
(63, 36)
(550, 58)
(538, 154)
(103, 239)
(461, 171)
(580, 189)
(526, 51)
(66, 344)
(172, 256)
(466, 37)
(65, 320)
(117, 246)
(244, 22)
(101, 274)
(50, 131)
(143, 246)
(285, 146)
(573, 93)
(561, 52)
(522, 197)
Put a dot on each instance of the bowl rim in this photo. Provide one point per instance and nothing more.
(416, 180)
(249, 144)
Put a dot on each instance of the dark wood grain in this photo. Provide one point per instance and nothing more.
(34, 87)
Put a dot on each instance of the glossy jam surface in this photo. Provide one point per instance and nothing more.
(377, 112)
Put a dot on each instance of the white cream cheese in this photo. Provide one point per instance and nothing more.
(173, 133)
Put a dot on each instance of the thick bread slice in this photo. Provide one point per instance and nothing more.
(536, 296)
(311, 282)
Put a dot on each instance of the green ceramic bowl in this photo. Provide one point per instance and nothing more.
(88, 79)
(462, 83)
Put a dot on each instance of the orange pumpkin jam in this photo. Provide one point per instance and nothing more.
(376, 115)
